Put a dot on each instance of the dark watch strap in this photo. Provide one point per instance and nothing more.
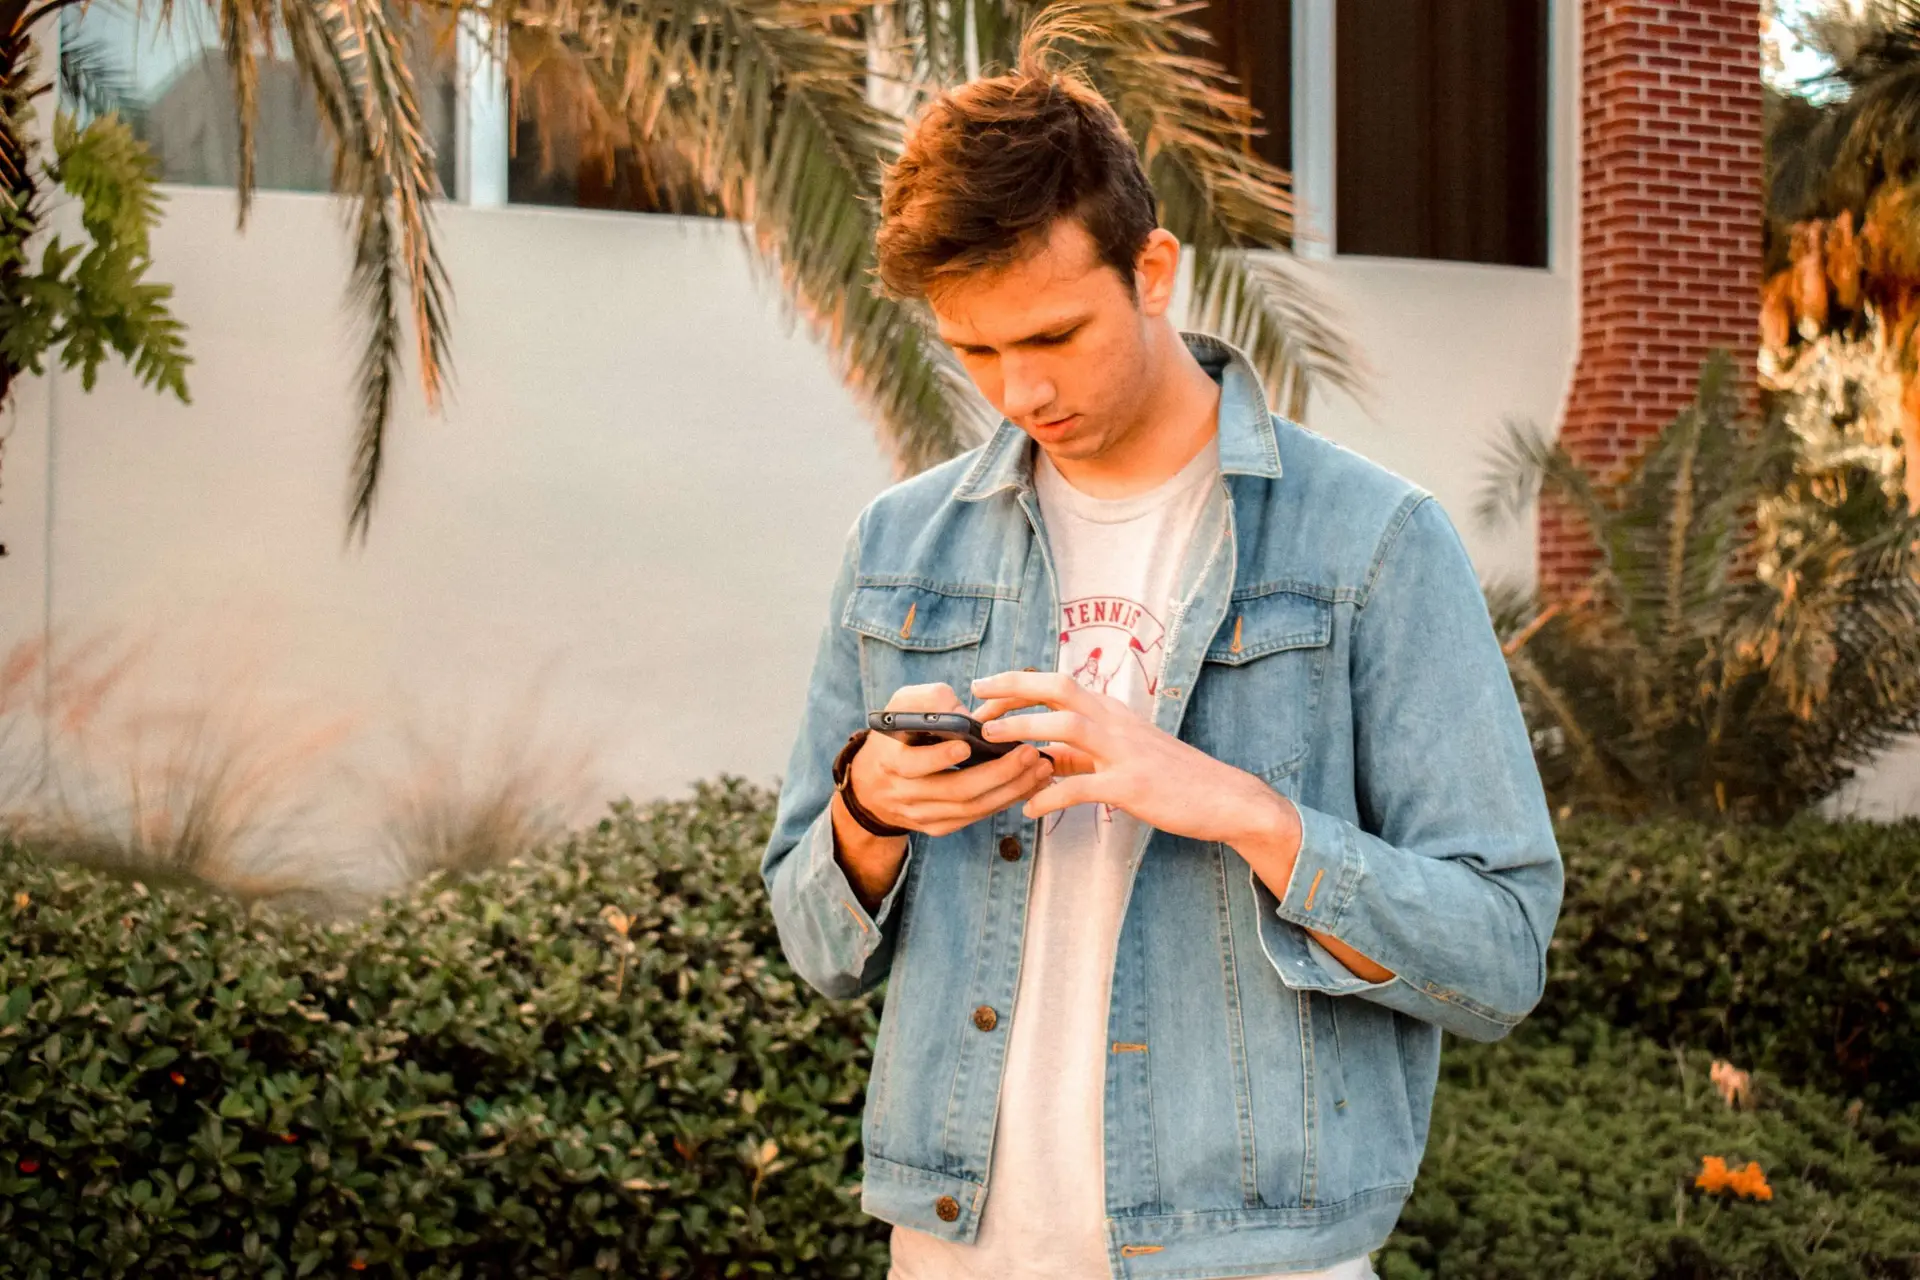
(843, 783)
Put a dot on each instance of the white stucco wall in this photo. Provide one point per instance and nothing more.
(639, 488)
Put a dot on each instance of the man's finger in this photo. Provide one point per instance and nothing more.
(1003, 792)
(1055, 689)
(994, 707)
(1069, 761)
(970, 785)
(1063, 794)
(1069, 727)
(921, 762)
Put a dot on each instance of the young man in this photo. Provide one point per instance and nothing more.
(1170, 1006)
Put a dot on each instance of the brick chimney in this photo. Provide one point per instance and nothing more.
(1671, 198)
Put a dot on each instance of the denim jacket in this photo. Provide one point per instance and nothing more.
(1266, 1109)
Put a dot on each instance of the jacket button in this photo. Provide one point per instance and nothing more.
(1010, 848)
(947, 1207)
(985, 1018)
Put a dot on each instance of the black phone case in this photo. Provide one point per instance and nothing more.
(924, 728)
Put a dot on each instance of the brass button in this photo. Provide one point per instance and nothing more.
(1010, 848)
(985, 1018)
(947, 1207)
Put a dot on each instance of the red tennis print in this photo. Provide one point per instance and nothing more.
(1100, 636)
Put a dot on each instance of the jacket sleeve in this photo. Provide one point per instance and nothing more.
(1452, 878)
(826, 935)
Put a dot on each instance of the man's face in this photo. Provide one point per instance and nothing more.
(1057, 343)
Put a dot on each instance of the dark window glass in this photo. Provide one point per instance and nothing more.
(556, 161)
(1442, 129)
(171, 83)
(1253, 40)
(566, 153)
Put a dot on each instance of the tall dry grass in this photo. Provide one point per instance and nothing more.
(115, 758)
(464, 798)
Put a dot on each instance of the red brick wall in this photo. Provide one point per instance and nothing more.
(1670, 216)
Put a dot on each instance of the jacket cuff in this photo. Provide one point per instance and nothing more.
(1325, 872)
(854, 931)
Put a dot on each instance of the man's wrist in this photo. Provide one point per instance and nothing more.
(1267, 833)
(1271, 846)
(871, 863)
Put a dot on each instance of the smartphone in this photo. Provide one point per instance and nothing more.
(924, 728)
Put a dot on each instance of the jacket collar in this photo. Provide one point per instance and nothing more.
(1247, 442)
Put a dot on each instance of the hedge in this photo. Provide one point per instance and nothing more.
(477, 1081)
(1577, 1159)
(595, 1062)
(1796, 949)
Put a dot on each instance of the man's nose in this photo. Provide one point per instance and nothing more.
(1026, 389)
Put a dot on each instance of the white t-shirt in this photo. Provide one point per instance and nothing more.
(1045, 1211)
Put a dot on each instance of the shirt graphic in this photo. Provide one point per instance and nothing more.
(1099, 636)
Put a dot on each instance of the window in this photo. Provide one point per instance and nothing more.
(568, 152)
(557, 160)
(1441, 147)
(171, 83)
(1253, 41)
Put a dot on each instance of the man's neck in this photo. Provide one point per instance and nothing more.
(1180, 416)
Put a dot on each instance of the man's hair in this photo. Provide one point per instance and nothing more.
(990, 165)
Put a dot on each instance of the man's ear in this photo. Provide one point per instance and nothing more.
(1155, 272)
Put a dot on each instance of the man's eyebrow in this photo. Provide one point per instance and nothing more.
(1059, 330)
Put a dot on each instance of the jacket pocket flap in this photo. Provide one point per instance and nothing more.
(1260, 625)
(915, 617)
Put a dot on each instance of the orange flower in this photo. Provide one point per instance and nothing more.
(1748, 1183)
(176, 1077)
(358, 1265)
(288, 1137)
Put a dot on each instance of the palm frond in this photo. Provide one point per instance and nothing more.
(1753, 635)
(352, 57)
(1524, 462)
(94, 78)
(813, 207)
(244, 26)
(930, 43)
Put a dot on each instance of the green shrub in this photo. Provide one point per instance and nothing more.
(1577, 1160)
(1794, 949)
(480, 1080)
(490, 1078)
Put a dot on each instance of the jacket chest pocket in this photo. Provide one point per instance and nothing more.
(1261, 680)
(916, 634)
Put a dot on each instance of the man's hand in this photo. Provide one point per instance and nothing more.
(912, 787)
(1106, 751)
